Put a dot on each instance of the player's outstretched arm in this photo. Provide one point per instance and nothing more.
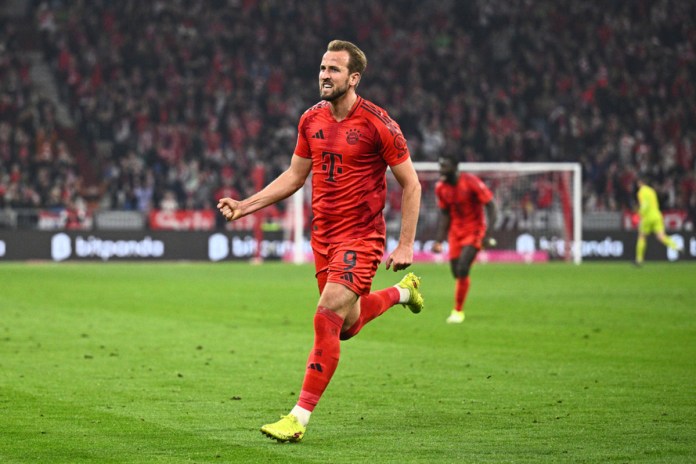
(282, 187)
(406, 176)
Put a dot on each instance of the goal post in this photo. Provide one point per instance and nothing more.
(539, 207)
(539, 212)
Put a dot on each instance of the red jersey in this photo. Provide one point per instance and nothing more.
(464, 202)
(349, 163)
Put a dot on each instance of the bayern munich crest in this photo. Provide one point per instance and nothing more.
(353, 136)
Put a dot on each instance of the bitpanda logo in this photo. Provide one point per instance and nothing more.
(218, 247)
(61, 247)
(673, 255)
(95, 247)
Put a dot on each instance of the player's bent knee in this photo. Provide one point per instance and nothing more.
(462, 272)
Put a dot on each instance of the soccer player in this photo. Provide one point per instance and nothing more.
(346, 143)
(462, 199)
(650, 221)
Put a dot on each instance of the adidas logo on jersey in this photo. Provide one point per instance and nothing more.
(319, 135)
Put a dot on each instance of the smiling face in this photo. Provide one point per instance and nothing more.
(335, 80)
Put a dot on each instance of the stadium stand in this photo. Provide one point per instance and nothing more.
(179, 100)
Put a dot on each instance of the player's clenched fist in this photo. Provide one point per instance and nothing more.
(230, 208)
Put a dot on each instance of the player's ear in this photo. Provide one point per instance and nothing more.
(355, 79)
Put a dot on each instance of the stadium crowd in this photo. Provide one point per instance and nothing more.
(178, 101)
(36, 166)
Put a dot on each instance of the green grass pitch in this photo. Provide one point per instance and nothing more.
(183, 362)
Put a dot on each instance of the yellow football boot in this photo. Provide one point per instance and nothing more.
(287, 429)
(411, 282)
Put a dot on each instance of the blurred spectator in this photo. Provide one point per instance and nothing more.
(169, 203)
(169, 94)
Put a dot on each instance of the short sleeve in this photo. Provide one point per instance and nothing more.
(439, 196)
(394, 147)
(483, 193)
(302, 145)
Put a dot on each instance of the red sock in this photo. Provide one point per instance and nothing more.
(461, 291)
(323, 359)
(372, 306)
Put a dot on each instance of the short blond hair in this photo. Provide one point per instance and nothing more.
(357, 61)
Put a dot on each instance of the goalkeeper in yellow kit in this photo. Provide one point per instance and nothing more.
(650, 221)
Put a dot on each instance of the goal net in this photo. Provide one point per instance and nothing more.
(539, 209)
(539, 213)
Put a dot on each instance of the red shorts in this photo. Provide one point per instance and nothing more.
(352, 264)
(460, 240)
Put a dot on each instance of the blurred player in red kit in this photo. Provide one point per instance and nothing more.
(346, 143)
(462, 199)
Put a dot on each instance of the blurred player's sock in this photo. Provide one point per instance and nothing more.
(372, 306)
(640, 250)
(672, 244)
(455, 317)
(461, 291)
(323, 359)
